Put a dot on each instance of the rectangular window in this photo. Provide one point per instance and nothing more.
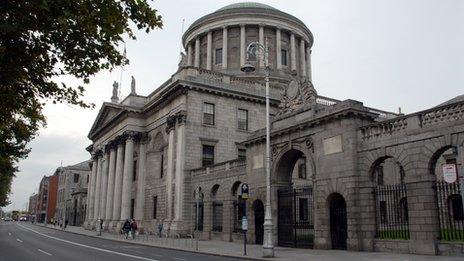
(76, 178)
(242, 116)
(242, 154)
(162, 166)
(302, 169)
(88, 177)
(208, 155)
(218, 56)
(155, 206)
(283, 55)
(134, 171)
(208, 113)
(379, 172)
(303, 209)
(132, 208)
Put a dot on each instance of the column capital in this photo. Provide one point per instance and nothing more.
(131, 135)
(242, 25)
(225, 27)
(181, 117)
(261, 25)
(170, 123)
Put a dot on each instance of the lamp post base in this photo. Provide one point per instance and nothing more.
(268, 247)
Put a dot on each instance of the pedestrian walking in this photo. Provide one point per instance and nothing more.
(65, 224)
(126, 228)
(133, 228)
(160, 228)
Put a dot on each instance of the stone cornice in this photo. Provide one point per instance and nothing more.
(249, 16)
(343, 112)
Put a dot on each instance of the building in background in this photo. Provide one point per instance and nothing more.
(72, 190)
(46, 199)
(32, 206)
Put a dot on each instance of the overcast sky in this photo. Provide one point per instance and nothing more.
(385, 53)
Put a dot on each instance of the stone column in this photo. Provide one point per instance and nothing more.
(261, 41)
(91, 189)
(180, 163)
(140, 197)
(170, 166)
(110, 189)
(127, 177)
(189, 55)
(104, 185)
(209, 47)
(197, 52)
(242, 44)
(308, 65)
(207, 219)
(292, 52)
(96, 213)
(302, 57)
(224, 47)
(118, 183)
(278, 49)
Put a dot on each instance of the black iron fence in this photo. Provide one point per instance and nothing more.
(391, 209)
(450, 211)
(217, 216)
(295, 217)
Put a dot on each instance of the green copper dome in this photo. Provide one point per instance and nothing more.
(246, 5)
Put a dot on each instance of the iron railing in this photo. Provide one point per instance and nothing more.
(391, 209)
(450, 211)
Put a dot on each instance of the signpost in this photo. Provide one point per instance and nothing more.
(244, 195)
(449, 173)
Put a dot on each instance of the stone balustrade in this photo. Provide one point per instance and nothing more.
(220, 167)
(423, 119)
(443, 114)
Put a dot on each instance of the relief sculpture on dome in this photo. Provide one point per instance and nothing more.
(299, 93)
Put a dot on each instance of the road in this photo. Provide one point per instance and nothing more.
(23, 241)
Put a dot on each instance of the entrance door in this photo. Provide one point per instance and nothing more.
(338, 223)
(258, 208)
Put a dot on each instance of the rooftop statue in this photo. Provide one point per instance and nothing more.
(133, 86)
(115, 97)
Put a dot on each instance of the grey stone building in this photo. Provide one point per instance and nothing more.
(343, 175)
(72, 191)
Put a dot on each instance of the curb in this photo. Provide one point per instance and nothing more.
(164, 247)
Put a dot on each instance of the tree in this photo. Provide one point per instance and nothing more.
(41, 40)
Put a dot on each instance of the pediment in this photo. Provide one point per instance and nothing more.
(106, 114)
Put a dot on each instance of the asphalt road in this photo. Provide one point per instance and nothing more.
(23, 241)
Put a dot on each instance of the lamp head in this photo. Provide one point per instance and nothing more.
(248, 68)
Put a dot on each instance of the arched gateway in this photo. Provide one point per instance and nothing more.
(294, 201)
(338, 222)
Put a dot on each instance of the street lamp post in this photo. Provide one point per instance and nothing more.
(255, 48)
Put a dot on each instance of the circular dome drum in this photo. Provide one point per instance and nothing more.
(218, 41)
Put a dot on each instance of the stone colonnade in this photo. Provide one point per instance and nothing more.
(304, 52)
(110, 184)
(111, 179)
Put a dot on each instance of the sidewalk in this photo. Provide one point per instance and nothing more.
(254, 252)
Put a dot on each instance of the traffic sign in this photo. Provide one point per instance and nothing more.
(244, 191)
